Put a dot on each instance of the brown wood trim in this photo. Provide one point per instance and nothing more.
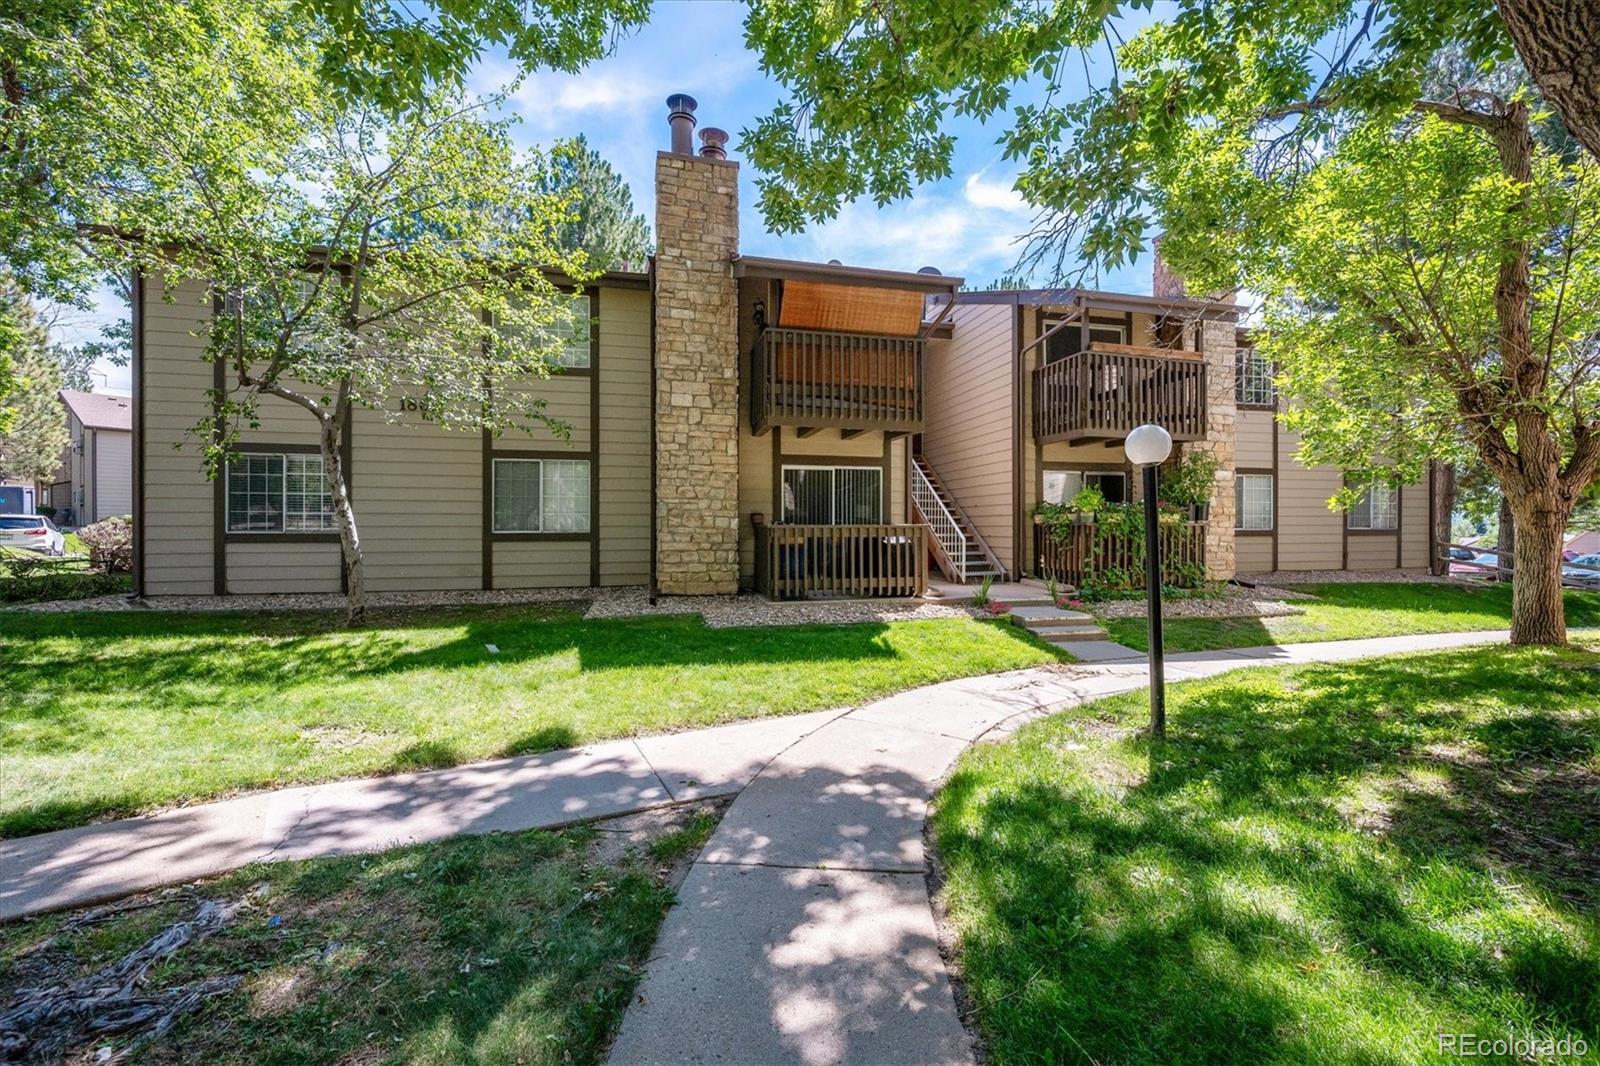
(777, 475)
(1019, 431)
(594, 435)
(1344, 534)
(1372, 532)
(853, 461)
(1277, 490)
(574, 538)
(487, 494)
(542, 453)
(1399, 526)
(1087, 467)
(259, 448)
(137, 317)
(219, 489)
(887, 507)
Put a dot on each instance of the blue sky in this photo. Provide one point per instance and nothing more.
(966, 224)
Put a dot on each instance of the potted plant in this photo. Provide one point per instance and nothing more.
(1086, 503)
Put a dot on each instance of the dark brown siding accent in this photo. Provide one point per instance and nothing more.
(347, 418)
(594, 435)
(1276, 491)
(219, 488)
(488, 511)
(1399, 527)
(886, 482)
(655, 587)
(1019, 430)
(137, 317)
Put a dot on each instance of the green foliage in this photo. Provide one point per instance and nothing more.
(602, 223)
(33, 432)
(1192, 479)
(1088, 500)
(57, 581)
(1320, 864)
(981, 597)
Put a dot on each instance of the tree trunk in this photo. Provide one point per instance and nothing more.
(1443, 476)
(1559, 43)
(1538, 615)
(332, 439)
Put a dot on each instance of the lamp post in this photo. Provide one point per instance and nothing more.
(1148, 446)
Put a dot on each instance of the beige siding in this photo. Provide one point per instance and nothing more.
(969, 439)
(418, 495)
(1372, 551)
(536, 564)
(178, 504)
(1252, 555)
(266, 568)
(566, 400)
(1414, 528)
(755, 491)
(625, 415)
(899, 509)
(1309, 535)
(113, 473)
(1253, 440)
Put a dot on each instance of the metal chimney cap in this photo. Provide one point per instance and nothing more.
(681, 104)
(931, 270)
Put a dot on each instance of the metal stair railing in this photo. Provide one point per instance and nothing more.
(952, 538)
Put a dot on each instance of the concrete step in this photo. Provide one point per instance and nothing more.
(1050, 614)
(1070, 634)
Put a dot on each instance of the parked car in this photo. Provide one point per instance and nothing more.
(1464, 562)
(1582, 570)
(31, 531)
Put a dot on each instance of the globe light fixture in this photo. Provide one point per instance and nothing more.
(1148, 447)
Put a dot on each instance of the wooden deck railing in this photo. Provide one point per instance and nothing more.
(800, 561)
(1105, 392)
(1080, 557)
(817, 379)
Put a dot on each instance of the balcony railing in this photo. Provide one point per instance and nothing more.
(1106, 391)
(1082, 556)
(851, 381)
(803, 561)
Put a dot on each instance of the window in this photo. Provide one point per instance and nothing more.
(1069, 339)
(1252, 497)
(1378, 508)
(833, 495)
(269, 492)
(1061, 485)
(573, 334)
(1252, 383)
(541, 496)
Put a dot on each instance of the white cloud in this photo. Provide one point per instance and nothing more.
(992, 195)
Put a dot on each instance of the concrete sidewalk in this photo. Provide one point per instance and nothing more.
(803, 931)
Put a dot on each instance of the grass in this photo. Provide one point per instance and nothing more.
(1350, 611)
(1323, 864)
(114, 713)
(520, 947)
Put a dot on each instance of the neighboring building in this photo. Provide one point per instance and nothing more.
(737, 422)
(97, 471)
(1583, 542)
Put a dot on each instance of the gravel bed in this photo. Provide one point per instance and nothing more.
(626, 602)
(1350, 577)
(1234, 601)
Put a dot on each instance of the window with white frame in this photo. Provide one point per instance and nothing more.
(541, 496)
(833, 495)
(1252, 384)
(271, 492)
(1060, 486)
(1378, 508)
(572, 332)
(1252, 497)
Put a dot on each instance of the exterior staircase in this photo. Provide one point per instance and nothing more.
(957, 548)
(1057, 625)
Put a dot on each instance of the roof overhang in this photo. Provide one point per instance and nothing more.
(1225, 310)
(750, 266)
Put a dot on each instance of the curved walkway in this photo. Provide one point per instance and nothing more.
(803, 932)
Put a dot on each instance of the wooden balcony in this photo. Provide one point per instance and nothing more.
(796, 562)
(1082, 557)
(815, 379)
(1105, 392)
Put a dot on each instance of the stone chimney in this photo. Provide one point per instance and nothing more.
(1165, 285)
(697, 363)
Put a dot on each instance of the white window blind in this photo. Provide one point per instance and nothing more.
(1252, 494)
(541, 496)
(270, 492)
(1253, 382)
(1378, 508)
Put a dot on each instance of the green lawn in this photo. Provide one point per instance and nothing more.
(520, 947)
(1349, 611)
(1323, 864)
(116, 713)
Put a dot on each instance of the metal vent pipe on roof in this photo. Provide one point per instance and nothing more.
(680, 114)
(713, 142)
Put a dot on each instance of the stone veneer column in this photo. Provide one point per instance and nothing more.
(697, 375)
(1219, 344)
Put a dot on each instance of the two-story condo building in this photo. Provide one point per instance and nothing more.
(738, 423)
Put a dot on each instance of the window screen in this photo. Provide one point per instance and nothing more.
(832, 495)
(1253, 382)
(1378, 508)
(1061, 485)
(574, 334)
(269, 492)
(1252, 494)
(541, 496)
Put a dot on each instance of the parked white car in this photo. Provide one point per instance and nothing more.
(1583, 571)
(33, 532)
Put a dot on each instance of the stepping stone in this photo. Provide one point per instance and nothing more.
(1070, 634)
(1029, 615)
(1104, 651)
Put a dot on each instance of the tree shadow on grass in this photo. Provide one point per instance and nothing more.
(1374, 849)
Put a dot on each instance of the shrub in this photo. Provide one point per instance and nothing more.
(981, 597)
(1193, 480)
(110, 544)
(62, 585)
